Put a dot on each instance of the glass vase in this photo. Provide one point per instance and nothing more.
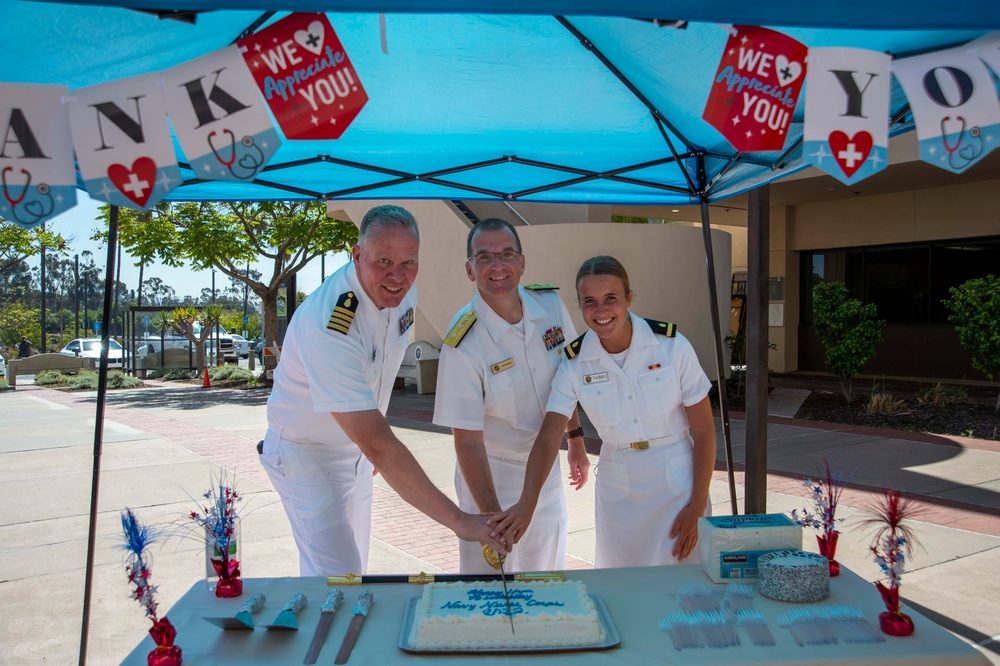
(231, 586)
(828, 549)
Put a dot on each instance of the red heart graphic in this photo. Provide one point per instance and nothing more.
(136, 183)
(851, 152)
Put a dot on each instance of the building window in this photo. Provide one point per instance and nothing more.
(906, 282)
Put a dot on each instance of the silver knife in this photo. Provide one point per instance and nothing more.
(243, 619)
(326, 611)
(286, 618)
(360, 611)
(496, 560)
(506, 594)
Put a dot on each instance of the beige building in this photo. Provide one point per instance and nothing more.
(899, 239)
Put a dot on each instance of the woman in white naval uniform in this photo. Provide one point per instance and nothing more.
(642, 387)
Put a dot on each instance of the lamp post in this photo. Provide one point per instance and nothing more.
(218, 352)
(43, 292)
(86, 293)
(76, 296)
(246, 293)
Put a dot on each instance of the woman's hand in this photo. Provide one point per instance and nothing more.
(509, 526)
(685, 530)
(579, 463)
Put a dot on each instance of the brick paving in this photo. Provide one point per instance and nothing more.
(399, 525)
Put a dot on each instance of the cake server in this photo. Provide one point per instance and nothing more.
(360, 611)
(326, 611)
(286, 618)
(243, 619)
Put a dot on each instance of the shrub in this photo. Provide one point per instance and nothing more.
(883, 402)
(84, 381)
(848, 330)
(941, 394)
(119, 380)
(975, 312)
(229, 373)
(3, 383)
(174, 375)
(50, 378)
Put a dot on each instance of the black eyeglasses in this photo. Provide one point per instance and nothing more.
(486, 258)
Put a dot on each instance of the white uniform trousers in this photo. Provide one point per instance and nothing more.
(543, 546)
(326, 490)
(638, 496)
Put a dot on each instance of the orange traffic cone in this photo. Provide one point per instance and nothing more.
(205, 383)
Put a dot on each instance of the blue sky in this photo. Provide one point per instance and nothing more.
(78, 224)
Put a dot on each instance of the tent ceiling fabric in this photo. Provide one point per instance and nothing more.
(917, 14)
(518, 95)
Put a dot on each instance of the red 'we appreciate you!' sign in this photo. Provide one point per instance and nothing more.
(756, 88)
(305, 76)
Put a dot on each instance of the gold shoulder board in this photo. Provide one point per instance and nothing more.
(461, 327)
(662, 327)
(573, 348)
(343, 314)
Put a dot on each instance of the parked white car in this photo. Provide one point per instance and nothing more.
(241, 344)
(91, 348)
(3, 366)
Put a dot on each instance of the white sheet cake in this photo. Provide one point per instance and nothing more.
(473, 616)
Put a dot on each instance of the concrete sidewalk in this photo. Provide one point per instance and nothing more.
(163, 443)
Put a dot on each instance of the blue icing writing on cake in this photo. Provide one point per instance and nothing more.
(473, 616)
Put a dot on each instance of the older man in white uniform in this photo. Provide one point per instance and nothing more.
(326, 413)
(496, 367)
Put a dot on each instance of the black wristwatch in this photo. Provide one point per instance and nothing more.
(570, 434)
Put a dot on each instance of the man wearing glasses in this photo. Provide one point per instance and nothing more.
(496, 368)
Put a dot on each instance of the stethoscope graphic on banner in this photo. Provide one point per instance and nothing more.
(243, 159)
(27, 211)
(960, 153)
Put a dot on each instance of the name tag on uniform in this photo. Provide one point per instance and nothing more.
(502, 365)
(595, 379)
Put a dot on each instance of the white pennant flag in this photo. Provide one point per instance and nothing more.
(987, 48)
(37, 176)
(954, 104)
(846, 129)
(220, 117)
(123, 143)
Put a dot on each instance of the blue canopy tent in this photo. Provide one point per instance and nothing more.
(582, 101)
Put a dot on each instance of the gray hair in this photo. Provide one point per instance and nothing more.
(381, 217)
(490, 224)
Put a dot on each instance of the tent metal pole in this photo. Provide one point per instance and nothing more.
(713, 298)
(102, 391)
(758, 254)
(587, 44)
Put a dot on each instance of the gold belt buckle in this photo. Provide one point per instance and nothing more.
(639, 446)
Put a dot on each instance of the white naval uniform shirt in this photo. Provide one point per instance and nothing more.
(323, 370)
(323, 480)
(508, 406)
(638, 493)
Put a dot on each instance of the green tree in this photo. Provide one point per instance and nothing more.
(975, 312)
(17, 244)
(185, 320)
(17, 320)
(848, 329)
(228, 235)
